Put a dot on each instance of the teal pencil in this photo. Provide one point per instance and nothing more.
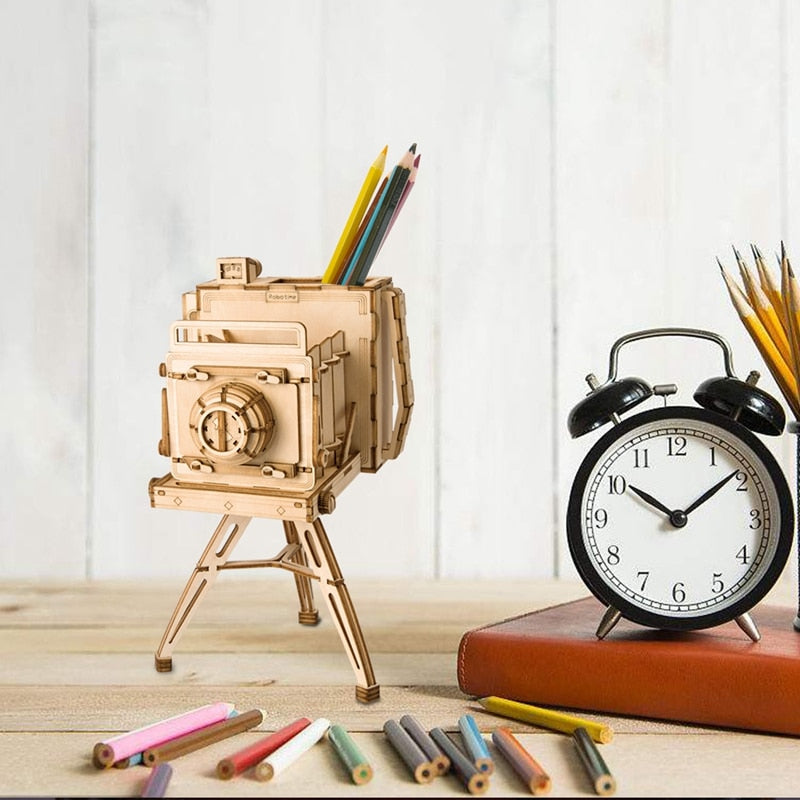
(475, 746)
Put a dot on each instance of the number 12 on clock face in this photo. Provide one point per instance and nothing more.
(679, 518)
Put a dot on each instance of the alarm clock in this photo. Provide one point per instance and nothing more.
(679, 517)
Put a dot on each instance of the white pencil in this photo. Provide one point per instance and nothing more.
(287, 754)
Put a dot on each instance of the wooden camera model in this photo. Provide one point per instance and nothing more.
(279, 392)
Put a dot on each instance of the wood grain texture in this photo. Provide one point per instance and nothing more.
(44, 162)
(62, 699)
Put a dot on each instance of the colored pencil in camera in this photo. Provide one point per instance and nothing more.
(350, 755)
(423, 740)
(252, 755)
(521, 761)
(775, 362)
(156, 785)
(416, 761)
(602, 780)
(288, 753)
(350, 230)
(412, 179)
(339, 273)
(176, 748)
(383, 216)
(546, 718)
(474, 780)
(137, 741)
(474, 744)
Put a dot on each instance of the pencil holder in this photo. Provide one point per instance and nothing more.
(794, 428)
(280, 391)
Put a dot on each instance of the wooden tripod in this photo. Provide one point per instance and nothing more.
(309, 555)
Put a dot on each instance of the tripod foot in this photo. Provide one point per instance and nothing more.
(308, 617)
(369, 694)
(163, 664)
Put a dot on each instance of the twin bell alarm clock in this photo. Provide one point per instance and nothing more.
(679, 517)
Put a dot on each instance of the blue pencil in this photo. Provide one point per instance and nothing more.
(475, 745)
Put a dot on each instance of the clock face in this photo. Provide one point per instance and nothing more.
(680, 518)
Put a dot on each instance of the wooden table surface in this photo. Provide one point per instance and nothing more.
(76, 665)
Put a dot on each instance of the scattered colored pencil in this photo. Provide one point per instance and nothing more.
(350, 755)
(521, 761)
(175, 748)
(129, 744)
(288, 753)
(350, 230)
(474, 745)
(475, 781)
(156, 785)
(602, 780)
(423, 740)
(416, 761)
(546, 718)
(252, 755)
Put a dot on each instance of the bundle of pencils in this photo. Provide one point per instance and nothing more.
(371, 219)
(770, 312)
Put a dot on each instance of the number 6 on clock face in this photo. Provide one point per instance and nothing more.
(680, 518)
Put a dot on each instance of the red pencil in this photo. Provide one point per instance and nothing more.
(252, 755)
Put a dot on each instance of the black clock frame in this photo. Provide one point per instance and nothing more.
(603, 592)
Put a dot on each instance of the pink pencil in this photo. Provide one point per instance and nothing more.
(406, 191)
(128, 744)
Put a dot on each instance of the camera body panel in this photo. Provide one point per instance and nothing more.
(281, 388)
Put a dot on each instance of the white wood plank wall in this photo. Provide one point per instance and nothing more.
(582, 165)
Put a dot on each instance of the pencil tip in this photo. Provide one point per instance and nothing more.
(754, 251)
(759, 254)
(385, 150)
(416, 160)
(722, 269)
(783, 250)
(413, 148)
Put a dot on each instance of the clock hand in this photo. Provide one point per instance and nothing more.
(648, 498)
(710, 493)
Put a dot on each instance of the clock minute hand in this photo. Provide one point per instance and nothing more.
(648, 498)
(710, 493)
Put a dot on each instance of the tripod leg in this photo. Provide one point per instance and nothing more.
(217, 552)
(321, 559)
(308, 614)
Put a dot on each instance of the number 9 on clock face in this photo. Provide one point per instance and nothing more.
(680, 518)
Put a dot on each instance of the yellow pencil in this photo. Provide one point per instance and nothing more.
(351, 226)
(773, 359)
(791, 299)
(771, 288)
(546, 718)
(768, 315)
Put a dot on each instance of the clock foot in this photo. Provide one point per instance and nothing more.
(609, 620)
(745, 622)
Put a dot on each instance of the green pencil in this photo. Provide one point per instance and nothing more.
(347, 750)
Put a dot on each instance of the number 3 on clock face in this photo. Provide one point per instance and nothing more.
(680, 518)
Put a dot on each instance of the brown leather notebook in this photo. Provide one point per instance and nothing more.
(711, 677)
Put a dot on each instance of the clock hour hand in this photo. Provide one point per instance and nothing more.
(710, 493)
(648, 498)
